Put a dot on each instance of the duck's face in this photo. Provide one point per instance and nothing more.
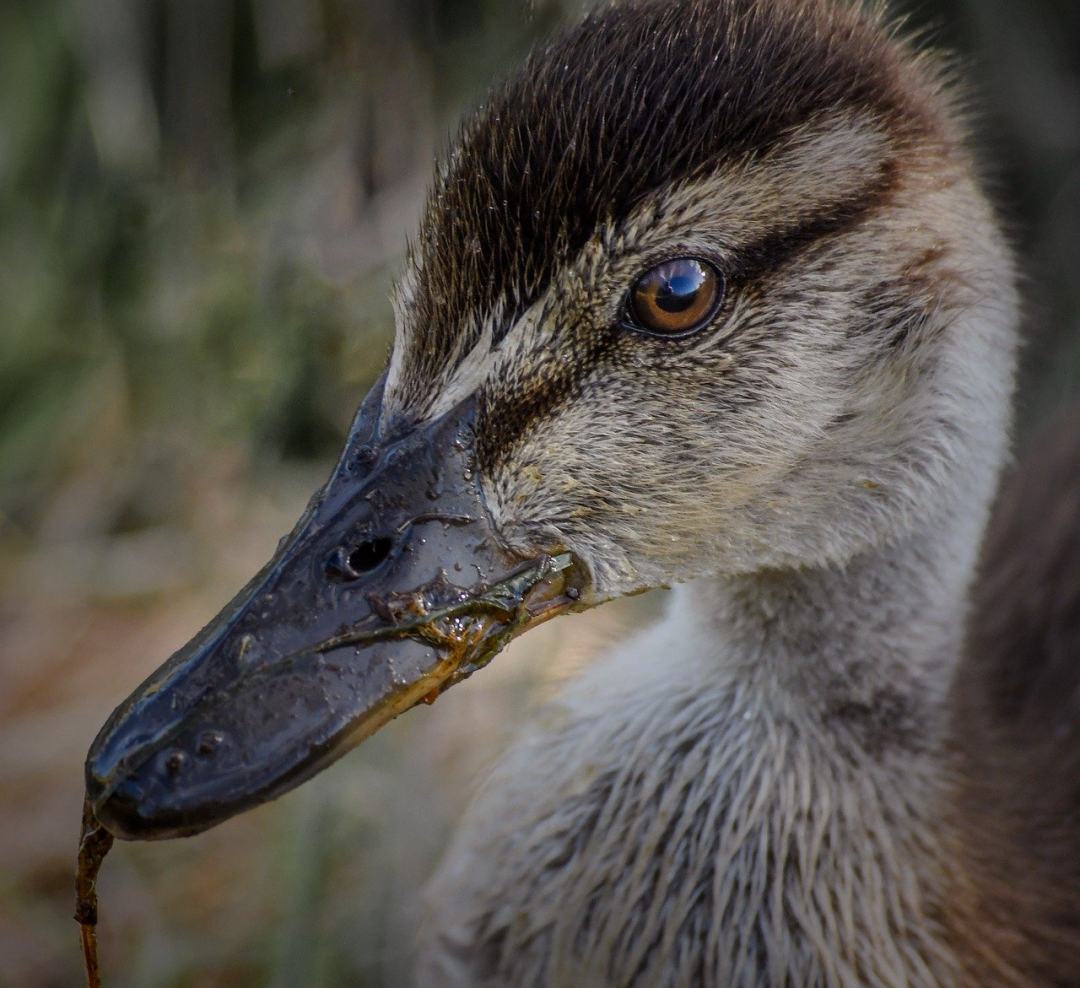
(703, 385)
(675, 309)
(690, 267)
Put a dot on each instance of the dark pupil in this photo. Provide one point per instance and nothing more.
(679, 288)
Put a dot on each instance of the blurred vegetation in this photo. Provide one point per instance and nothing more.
(202, 207)
(1021, 61)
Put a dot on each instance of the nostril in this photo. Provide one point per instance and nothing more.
(369, 555)
(209, 742)
(175, 762)
(345, 564)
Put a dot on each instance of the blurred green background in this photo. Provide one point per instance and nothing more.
(202, 207)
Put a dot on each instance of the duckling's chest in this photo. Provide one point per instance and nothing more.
(695, 839)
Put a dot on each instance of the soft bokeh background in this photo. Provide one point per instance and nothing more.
(202, 206)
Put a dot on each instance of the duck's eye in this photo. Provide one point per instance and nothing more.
(675, 297)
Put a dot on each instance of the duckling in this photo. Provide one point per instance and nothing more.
(708, 294)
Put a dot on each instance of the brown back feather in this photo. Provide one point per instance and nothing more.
(1018, 724)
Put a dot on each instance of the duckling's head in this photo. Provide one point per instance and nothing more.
(708, 287)
(721, 285)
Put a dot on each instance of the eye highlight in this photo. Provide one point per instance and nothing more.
(676, 297)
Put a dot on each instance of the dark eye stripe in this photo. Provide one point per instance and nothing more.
(778, 248)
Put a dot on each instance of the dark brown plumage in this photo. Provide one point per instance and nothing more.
(1017, 701)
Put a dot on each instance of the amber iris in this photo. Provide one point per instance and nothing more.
(675, 297)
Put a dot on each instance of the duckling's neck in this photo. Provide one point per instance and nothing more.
(833, 686)
(750, 791)
(868, 648)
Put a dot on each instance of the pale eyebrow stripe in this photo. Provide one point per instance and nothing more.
(819, 166)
